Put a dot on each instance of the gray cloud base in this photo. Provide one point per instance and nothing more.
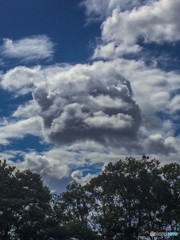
(102, 110)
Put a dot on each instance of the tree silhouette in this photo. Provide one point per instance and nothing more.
(128, 199)
(24, 204)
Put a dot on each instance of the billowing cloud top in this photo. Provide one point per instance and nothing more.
(149, 21)
(79, 102)
(126, 22)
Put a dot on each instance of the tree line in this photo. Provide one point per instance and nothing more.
(127, 200)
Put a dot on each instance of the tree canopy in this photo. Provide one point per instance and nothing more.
(128, 199)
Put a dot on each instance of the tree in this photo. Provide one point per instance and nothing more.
(8, 200)
(171, 173)
(129, 198)
(24, 204)
(34, 211)
(72, 209)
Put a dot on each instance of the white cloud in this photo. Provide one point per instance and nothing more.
(175, 104)
(156, 22)
(113, 50)
(125, 22)
(100, 9)
(152, 87)
(28, 49)
(78, 177)
(20, 79)
(57, 165)
(28, 110)
(101, 120)
(19, 129)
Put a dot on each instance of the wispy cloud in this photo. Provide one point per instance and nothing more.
(28, 49)
(19, 128)
(101, 9)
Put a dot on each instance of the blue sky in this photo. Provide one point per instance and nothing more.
(86, 82)
(62, 21)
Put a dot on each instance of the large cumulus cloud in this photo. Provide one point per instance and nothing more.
(127, 29)
(79, 102)
(94, 102)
